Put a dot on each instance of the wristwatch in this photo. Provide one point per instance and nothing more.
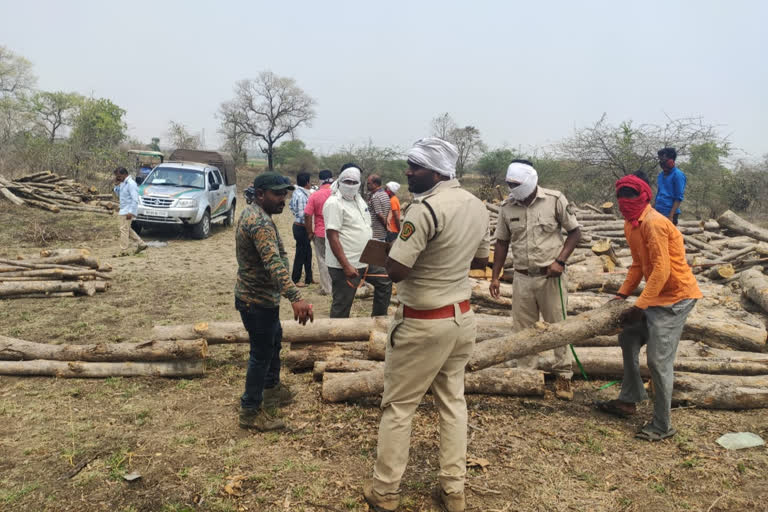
(560, 262)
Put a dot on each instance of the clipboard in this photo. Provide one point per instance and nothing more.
(375, 253)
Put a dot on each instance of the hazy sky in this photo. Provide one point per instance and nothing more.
(525, 73)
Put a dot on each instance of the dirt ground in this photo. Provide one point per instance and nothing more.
(65, 444)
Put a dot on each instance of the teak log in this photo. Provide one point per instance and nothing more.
(755, 286)
(497, 381)
(344, 366)
(78, 369)
(721, 272)
(735, 223)
(305, 359)
(11, 288)
(721, 391)
(20, 350)
(724, 333)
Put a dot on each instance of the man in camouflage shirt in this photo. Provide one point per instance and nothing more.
(262, 276)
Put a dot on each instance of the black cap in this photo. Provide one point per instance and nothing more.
(272, 181)
(325, 174)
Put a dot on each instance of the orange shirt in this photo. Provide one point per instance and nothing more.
(395, 203)
(658, 254)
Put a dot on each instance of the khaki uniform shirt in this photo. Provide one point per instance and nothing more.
(439, 253)
(534, 232)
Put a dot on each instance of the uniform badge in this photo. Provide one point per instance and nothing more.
(407, 231)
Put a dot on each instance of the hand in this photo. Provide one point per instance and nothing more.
(310, 235)
(129, 216)
(351, 272)
(302, 311)
(631, 315)
(495, 288)
(555, 270)
(617, 297)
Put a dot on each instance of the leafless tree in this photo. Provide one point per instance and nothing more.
(235, 140)
(467, 141)
(267, 109)
(443, 126)
(181, 138)
(54, 110)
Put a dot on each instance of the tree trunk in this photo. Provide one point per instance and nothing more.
(11, 196)
(304, 359)
(344, 366)
(735, 223)
(83, 259)
(55, 274)
(605, 283)
(755, 286)
(18, 350)
(724, 333)
(78, 369)
(11, 289)
(719, 272)
(721, 391)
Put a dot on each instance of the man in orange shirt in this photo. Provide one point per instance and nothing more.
(393, 224)
(658, 316)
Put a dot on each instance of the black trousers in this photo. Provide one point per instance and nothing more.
(344, 290)
(303, 257)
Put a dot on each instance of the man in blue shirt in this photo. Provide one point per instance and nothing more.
(671, 183)
(303, 257)
(128, 194)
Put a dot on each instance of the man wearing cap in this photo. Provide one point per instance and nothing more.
(530, 222)
(315, 226)
(262, 277)
(393, 222)
(430, 340)
(348, 229)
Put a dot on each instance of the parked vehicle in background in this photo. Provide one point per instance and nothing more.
(193, 189)
(146, 160)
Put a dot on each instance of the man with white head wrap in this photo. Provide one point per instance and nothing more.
(393, 220)
(347, 230)
(430, 340)
(530, 221)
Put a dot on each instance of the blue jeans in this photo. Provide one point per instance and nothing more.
(266, 335)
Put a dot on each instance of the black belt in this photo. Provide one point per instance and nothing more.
(536, 271)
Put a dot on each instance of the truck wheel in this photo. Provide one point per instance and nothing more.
(229, 220)
(203, 228)
(136, 227)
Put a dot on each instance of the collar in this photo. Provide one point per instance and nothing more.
(325, 185)
(440, 187)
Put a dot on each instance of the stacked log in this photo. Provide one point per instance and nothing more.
(54, 193)
(55, 273)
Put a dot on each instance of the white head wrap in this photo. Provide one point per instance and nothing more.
(348, 192)
(436, 155)
(526, 176)
(393, 186)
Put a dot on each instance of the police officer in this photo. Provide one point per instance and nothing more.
(530, 221)
(444, 234)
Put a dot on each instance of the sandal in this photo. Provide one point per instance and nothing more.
(611, 407)
(646, 434)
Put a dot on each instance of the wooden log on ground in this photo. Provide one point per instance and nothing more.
(35, 176)
(78, 369)
(607, 207)
(84, 259)
(704, 246)
(11, 196)
(42, 205)
(496, 381)
(344, 366)
(735, 223)
(20, 350)
(11, 289)
(596, 216)
(755, 286)
(305, 359)
(55, 274)
(720, 391)
(724, 333)
(719, 272)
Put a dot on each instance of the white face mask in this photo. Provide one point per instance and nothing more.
(523, 190)
(348, 192)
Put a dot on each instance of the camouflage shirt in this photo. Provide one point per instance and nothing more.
(262, 274)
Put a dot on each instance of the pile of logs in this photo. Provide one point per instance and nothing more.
(54, 193)
(185, 358)
(56, 273)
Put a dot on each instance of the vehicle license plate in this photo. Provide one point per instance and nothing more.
(153, 212)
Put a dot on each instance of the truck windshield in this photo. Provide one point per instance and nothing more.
(176, 177)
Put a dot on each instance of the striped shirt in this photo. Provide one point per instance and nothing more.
(379, 205)
(298, 203)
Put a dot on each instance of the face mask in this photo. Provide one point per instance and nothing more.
(523, 190)
(348, 192)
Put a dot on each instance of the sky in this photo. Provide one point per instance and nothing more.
(526, 74)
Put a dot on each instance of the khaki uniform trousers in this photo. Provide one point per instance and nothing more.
(426, 354)
(538, 295)
(126, 232)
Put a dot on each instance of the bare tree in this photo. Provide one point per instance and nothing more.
(235, 140)
(181, 138)
(443, 126)
(467, 141)
(267, 109)
(54, 110)
(16, 77)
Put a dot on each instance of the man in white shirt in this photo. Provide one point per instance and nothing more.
(128, 194)
(347, 230)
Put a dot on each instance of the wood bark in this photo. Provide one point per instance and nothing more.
(11, 289)
(735, 223)
(79, 369)
(496, 381)
(55, 274)
(719, 272)
(720, 391)
(755, 286)
(343, 366)
(725, 333)
(704, 246)
(305, 359)
(11, 196)
(19, 350)
(84, 259)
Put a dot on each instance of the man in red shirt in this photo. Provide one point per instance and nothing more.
(658, 316)
(316, 230)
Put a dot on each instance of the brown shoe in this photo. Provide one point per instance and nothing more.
(278, 396)
(142, 247)
(563, 388)
(454, 502)
(380, 502)
(259, 419)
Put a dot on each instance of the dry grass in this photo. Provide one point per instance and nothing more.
(181, 435)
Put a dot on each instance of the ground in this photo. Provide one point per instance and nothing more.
(65, 444)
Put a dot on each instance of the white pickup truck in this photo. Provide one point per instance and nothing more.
(192, 189)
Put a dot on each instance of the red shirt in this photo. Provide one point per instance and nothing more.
(315, 208)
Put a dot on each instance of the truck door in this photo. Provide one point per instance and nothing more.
(217, 205)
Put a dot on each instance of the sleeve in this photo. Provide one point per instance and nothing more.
(502, 229)
(265, 241)
(657, 240)
(333, 215)
(310, 208)
(293, 205)
(133, 191)
(417, 229)
(395, 203)
(565, 215)
(680, 181)
(634, 273)
(484, 249)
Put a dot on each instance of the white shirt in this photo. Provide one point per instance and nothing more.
(353, 222)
